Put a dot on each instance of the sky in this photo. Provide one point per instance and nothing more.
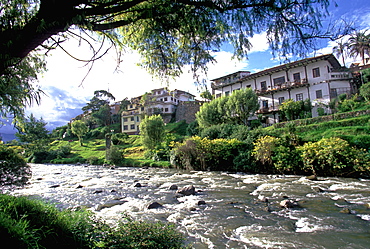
(68, 84)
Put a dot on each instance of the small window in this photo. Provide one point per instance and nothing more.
(263, 85)
(279, 81)
(227, 93)
(142, 108)
(297, 77)
(281, 100)
(299, 96)
(132, 119)
(165, 109)
(165, 99)
(316, 72)
(125, 127)
(319, 94)
(265, 103)
(137, 118)
(333, 93)
(131, 106)
(124, 119)
(132, 127)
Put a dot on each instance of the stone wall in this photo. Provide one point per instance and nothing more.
(186, 110)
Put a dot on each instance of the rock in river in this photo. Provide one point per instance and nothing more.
(187, 190)
(154, 205)
(109, 204)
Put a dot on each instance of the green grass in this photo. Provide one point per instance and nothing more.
(29, 223)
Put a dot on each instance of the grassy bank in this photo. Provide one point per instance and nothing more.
(27, 223)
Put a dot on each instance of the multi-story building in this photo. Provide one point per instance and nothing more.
(159, 101)
(319, 79)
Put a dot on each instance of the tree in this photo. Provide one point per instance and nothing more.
(212, 113)
(241, 105)
(206, 94)
(152, 131)
(340, 50)
(168, 34)
(359, 44)
(32, 130)
(292, 110)
(79, 128)
(102, 117)
(365, 91)
(101, 98)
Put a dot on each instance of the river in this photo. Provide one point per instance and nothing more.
(229, 210)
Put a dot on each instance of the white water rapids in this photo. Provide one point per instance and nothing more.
(228, 211)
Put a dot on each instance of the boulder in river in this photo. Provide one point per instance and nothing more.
(138, 185)
(288, 204)
(312, 177)
(187, 190)
(109, 204)
(174, 187)
(55, 186)
(155, 205)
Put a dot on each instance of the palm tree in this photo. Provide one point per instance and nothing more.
(340, 50)
(359, 44)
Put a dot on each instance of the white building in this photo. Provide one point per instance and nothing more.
(159, 101)
(319, 79)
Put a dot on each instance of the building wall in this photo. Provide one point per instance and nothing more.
(186, 111)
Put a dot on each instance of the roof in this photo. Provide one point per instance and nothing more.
(238, 72)
(329, 57)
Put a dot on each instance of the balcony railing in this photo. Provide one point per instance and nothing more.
(268, 109)
(284, 86)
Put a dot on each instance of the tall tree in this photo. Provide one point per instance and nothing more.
(359, 44)
(152, 131)
(32, 130)
(340, 50)
(101, 98)
(79, 128)
(168, 34)
(241, 105)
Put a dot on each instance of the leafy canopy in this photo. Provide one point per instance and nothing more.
(168, 34)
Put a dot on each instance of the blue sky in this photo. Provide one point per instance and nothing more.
(66, 94)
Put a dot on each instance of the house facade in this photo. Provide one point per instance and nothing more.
(318, 79)
(159, 101)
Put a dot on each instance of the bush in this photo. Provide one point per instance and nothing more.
(114, 156)
(334, 157)
(26, 223)
(204, 154)
(13, 168)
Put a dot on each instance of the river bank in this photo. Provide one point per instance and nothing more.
(227, 210)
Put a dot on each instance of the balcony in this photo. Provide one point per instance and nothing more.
(340, 76)
(269, 109)
(130, 113)
(283, 87)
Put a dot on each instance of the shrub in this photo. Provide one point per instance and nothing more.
(333, 157)
(13, 168)
(114, 156)
(204, 154)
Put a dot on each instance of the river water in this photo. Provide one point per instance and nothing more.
(228, 211)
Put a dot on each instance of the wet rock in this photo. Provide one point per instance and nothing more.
(187, 190)
(55, 186)
(319, 189)
(312, 177)
(201, 203)
(192, 209)
(288, 204)
(98, 191)
(138, 185)
(262, 198)
(39, 179)
(345, 211)
(155, 205)
(79, 186)
(174, 187)
(113, 191)
(267, 209)
(109, 204)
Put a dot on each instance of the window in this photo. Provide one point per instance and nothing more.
(131, 106)
(281, 100)
(319, 94)
(124, 119)
(165, 109)
(297, 77)
(165, 99)
(137, 118)
(265, 104)
(132, 119)
(125, 127)
(132, 127)
(333, 93)
(142, 108)
(263, 85)
(299, 96)
(279, 81)
(249, 86)
(316, 72)
(227, 93)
